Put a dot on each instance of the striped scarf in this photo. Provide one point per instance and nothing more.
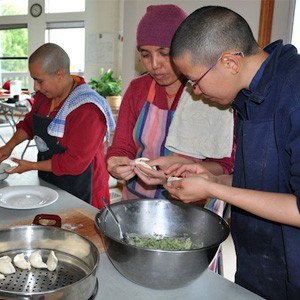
(81, 95)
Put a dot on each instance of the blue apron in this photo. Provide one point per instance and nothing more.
(265, 264)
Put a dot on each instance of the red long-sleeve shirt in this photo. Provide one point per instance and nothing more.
(82, 140)
(131, 106)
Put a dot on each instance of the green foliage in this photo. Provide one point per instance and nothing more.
(14, 42)
(13, 7)
(107, 85)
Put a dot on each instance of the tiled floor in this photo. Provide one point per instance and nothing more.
(229, 259)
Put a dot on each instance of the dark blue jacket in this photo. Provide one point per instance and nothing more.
(268, 159)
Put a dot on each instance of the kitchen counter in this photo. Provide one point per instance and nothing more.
(112, 285)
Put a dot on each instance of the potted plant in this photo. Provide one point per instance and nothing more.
(108, 87)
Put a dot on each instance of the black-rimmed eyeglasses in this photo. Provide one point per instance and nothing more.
(194, 83)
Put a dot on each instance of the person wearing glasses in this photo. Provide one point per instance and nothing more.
(263, 86)
(148, 107)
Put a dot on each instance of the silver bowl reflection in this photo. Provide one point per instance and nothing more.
(161, 269)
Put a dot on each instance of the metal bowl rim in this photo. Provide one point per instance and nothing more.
(94, 269)
(224, 223)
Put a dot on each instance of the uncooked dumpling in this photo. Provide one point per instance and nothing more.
(142, 162)
(36, 260)
(173, 178)
(5, 258)
(6, 267)
(52, 261)
(21, 262)
(2, 277)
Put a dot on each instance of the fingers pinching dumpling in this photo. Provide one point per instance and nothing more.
(141, 161)
(173, 178)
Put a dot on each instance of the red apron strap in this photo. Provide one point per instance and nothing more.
(177, 97)
(151, 93)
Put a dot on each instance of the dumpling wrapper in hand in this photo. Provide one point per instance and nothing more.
(36, 260)
(52, 261)
(173, 178)
(21, 262)
(142, 162)
(6, 267)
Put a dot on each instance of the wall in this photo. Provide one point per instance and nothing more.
(101, 18)
(115, 19)
(102, 31)
(250, 10)
(282, 20)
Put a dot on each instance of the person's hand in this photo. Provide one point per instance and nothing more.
(121, 167)
(166, 162)
(149, 176)
(189, 189)
(194, 183)
(23, 166)
(195, 169)
(5, 152)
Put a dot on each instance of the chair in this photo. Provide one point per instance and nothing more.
(30, 101)
(26, 147)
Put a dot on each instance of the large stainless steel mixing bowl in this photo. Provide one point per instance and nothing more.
(161, 269)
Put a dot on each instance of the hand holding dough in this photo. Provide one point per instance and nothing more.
(173, 178)
(142, 162)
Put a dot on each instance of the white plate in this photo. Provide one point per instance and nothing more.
(27, 197)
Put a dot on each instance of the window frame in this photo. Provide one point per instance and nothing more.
(23, 76)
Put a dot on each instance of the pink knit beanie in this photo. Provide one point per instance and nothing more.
(158, 25)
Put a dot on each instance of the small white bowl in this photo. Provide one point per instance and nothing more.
(3, 167)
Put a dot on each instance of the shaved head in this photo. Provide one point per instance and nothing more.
(52, 58)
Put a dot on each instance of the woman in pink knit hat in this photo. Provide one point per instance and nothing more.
(147, 110)
(148, 106)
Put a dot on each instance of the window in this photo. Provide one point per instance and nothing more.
(71, 37)
(59, 6)
(13, 7)
(17, 38)
(14, 53)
